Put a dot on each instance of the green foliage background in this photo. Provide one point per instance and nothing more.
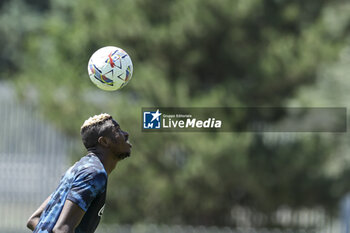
(190, 53)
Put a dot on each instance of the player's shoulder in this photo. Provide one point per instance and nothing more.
(90, 165)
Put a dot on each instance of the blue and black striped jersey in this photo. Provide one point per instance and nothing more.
(85, 184)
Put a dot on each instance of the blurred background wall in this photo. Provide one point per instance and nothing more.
(33, 157)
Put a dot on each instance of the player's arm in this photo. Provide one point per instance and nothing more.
(69, 219)
(34, 219)
(83, 191)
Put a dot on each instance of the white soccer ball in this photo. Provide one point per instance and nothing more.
(110, 68)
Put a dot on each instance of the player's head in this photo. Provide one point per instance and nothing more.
(103, 131)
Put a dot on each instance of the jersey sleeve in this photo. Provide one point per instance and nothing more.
(86, 187)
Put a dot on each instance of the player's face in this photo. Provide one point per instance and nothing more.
(120, 141)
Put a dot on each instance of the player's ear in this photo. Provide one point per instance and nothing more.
(103, 141)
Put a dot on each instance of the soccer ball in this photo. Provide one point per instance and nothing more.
(110, 68)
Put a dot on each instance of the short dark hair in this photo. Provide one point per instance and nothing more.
(95, 127)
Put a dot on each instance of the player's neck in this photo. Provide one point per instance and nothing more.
(108, 160)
